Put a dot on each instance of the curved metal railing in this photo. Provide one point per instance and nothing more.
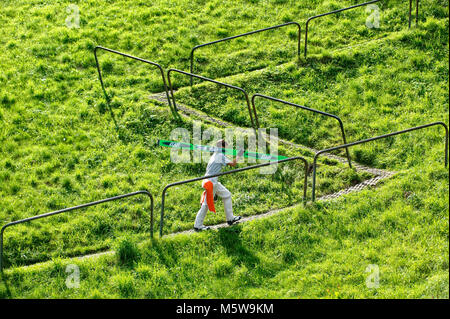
(161, 225)
(374, 139)
(130, 57)
(328, 13)
(65, 210)
(341, 124)
(242, 35)
(255, 123)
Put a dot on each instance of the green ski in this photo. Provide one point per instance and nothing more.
(227, 151)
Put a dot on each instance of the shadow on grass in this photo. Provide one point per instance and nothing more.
(108, 103)
(230, 239)
(7, 292)
(166, 252)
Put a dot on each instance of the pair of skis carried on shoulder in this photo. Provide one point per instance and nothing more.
(226, 151)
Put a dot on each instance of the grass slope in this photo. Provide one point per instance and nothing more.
(136, 164)
(62, 145)
(321, 251)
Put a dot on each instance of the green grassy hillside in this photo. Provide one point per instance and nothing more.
(321, 251)
(62, 145)
(135, 164)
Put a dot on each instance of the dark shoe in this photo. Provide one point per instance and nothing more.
(234, 220)
(202, 228)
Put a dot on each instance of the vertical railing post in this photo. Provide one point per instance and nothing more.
(410, 13)
(417, 13)
(313, 190)
(1, 248)
(161, 221)
(345, 141)
(306, 38)
(446, 142)
(192, 65)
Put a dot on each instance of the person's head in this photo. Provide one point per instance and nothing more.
(221, 144)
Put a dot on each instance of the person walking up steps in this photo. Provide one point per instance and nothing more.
(212, 187)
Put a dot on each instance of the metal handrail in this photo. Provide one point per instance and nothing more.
(230, 172)
(134, 58)
(242, 35)
(410, 11)
(328, 13)
(145, 192)
(341, 124)
(255, 123)
(373, 139)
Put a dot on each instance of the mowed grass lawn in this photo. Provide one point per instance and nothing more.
(62, 145)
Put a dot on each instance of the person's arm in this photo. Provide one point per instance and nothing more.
(234, 162)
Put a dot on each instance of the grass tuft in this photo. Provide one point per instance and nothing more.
(127, 252)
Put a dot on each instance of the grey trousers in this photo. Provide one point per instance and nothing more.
(222, 192)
